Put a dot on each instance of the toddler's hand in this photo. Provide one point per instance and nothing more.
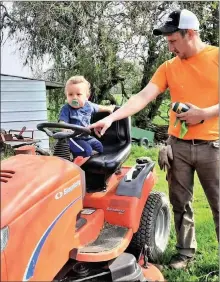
(111, 109)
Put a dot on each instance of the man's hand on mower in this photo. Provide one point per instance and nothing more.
(164, 157)
(101, 126)
(193, 116)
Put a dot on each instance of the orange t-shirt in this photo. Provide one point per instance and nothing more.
(193, 80)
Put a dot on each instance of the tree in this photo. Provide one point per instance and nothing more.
(76, 38)
(101, 40)
(208, 14)
(4, 20)
(110, 43)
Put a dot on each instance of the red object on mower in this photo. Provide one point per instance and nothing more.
(65, 225)
(28, 150)
(19, 135)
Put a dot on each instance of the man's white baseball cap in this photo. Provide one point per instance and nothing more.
(180, 19)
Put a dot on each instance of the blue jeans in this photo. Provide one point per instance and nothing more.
(84, 147)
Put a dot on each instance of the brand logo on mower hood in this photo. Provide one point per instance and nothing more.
(67, 190)
(115, 210)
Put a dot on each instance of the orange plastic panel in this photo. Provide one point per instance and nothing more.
(39, 204)
(4, 276)
(34, 178)
(121, 210)
(42, 238)
(91, 230)
(28, 150)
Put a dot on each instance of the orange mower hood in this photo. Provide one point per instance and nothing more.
(27, 179)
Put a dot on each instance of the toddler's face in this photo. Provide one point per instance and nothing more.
(77, 94)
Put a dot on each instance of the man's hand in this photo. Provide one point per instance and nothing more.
(193, 116)
(164, 157)
(101, 126)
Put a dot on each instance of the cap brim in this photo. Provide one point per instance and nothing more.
(166, 29)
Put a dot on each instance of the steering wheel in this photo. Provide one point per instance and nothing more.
(77, 130)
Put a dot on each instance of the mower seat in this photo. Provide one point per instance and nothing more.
(117, 146)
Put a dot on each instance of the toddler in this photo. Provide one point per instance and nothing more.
(78, 111)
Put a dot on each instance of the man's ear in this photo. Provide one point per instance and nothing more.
(191, 33)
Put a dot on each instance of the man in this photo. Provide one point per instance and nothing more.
(192, 78)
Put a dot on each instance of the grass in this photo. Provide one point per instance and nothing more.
(6, 154)
(206, 259)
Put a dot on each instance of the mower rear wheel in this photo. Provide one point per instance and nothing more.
(154, 229)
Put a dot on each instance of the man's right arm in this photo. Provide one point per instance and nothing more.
(157, 85)
(132, 106)
(137, 102)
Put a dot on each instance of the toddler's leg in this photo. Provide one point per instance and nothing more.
(80, 147)
(96, 145)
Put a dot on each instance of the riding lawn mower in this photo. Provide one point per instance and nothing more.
(100, 221)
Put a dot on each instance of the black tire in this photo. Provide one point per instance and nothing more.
(144, 142)
(154, 229)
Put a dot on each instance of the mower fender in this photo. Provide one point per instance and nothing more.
(119, 206)
(133, 182)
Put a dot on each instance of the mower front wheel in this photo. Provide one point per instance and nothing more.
(154, 229)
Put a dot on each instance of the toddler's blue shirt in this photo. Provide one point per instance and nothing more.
(80, 116)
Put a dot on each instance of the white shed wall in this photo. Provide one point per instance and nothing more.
(23, 103)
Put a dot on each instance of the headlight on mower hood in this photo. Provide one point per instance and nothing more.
(4, 237)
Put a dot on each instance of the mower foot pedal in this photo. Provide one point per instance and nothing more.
(110, 237)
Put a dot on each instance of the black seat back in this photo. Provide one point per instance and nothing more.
(115, 137)
(117, 146)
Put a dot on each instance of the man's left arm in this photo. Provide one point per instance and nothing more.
(195, 114)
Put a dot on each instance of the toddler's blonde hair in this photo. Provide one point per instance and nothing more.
(78, 79)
